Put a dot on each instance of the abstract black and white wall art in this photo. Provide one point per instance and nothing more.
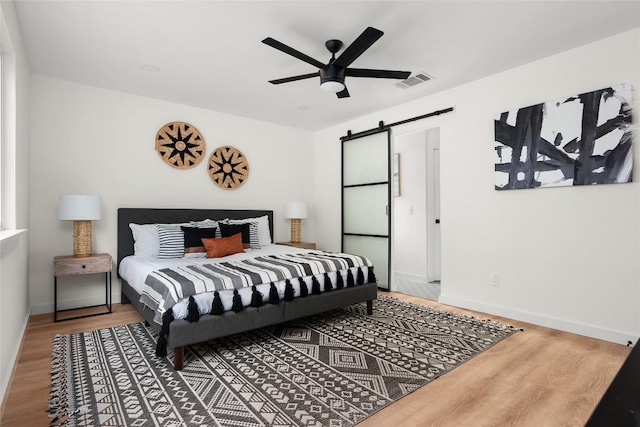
(581, 140)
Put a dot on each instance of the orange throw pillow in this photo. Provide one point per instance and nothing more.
(223, 246)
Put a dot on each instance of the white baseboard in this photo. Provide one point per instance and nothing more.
(619, 337)
(12, 362)
(65, 305)
(400, 277)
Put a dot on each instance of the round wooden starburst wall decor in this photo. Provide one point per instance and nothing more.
(228, 167)
(180, 145)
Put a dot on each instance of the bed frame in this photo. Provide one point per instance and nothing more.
(183, 333)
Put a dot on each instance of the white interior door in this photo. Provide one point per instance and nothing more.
(366, 195)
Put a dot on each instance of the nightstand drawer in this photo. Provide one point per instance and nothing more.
(69, 265)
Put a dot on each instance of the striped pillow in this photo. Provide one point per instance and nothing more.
(249, 232)
(171, 242)
(254, 236)
(264, 232)
(208, 223)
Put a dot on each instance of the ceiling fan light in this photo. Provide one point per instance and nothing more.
(332, 86)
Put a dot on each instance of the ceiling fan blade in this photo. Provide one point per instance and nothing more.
(344, 93)
(355, 49)
(291, 51)
(294, 78)
(380, 74)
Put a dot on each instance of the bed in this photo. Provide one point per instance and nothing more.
(292, 303)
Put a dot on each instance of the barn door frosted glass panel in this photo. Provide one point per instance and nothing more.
(374, 248)
(365, 200)
(366, 159)
(365, 209)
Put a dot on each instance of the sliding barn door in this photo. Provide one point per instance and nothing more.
(366, 201)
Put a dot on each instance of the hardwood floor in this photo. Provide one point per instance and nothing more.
(538, 377)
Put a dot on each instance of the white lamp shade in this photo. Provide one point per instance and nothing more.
(295, 210)
(79, 207)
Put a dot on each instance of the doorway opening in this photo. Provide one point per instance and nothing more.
(416, 219)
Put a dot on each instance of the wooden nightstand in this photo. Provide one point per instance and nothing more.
(68, 265)
(303, 245)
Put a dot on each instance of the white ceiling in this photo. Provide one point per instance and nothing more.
(210, 53)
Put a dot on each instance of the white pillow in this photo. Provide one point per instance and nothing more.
(264, 235)
(146, 241)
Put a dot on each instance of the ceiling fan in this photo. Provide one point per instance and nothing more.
(332, 75)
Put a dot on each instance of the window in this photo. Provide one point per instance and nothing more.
(10, 179)
(2, 204)
(8, 130)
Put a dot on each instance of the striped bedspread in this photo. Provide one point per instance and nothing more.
(165, 287)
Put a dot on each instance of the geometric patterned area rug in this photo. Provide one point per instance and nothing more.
(332, 369)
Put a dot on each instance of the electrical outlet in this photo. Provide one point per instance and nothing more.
(495, 279)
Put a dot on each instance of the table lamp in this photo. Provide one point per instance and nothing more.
(81, 209)
(295, 211)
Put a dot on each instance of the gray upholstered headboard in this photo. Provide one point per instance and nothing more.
(170, 216)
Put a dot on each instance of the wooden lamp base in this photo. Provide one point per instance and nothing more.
(295, 230)
(81, 239)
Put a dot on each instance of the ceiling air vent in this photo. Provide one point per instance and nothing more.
(420, 77)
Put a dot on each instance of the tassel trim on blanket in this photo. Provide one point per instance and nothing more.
(274, 298)
(288, 291)
(193, 315)
(237, 306)
(161, 346)
(315, 286)
(328, 286)
(339, 282)
(371, 277)
(216, 306)
(304, 291)
(256, 297)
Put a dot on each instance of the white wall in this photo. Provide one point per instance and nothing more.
(14, 290)
(96, 141)
(567, 257)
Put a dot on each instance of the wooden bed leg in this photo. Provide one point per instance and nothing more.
(370, 307)
(178, 357)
